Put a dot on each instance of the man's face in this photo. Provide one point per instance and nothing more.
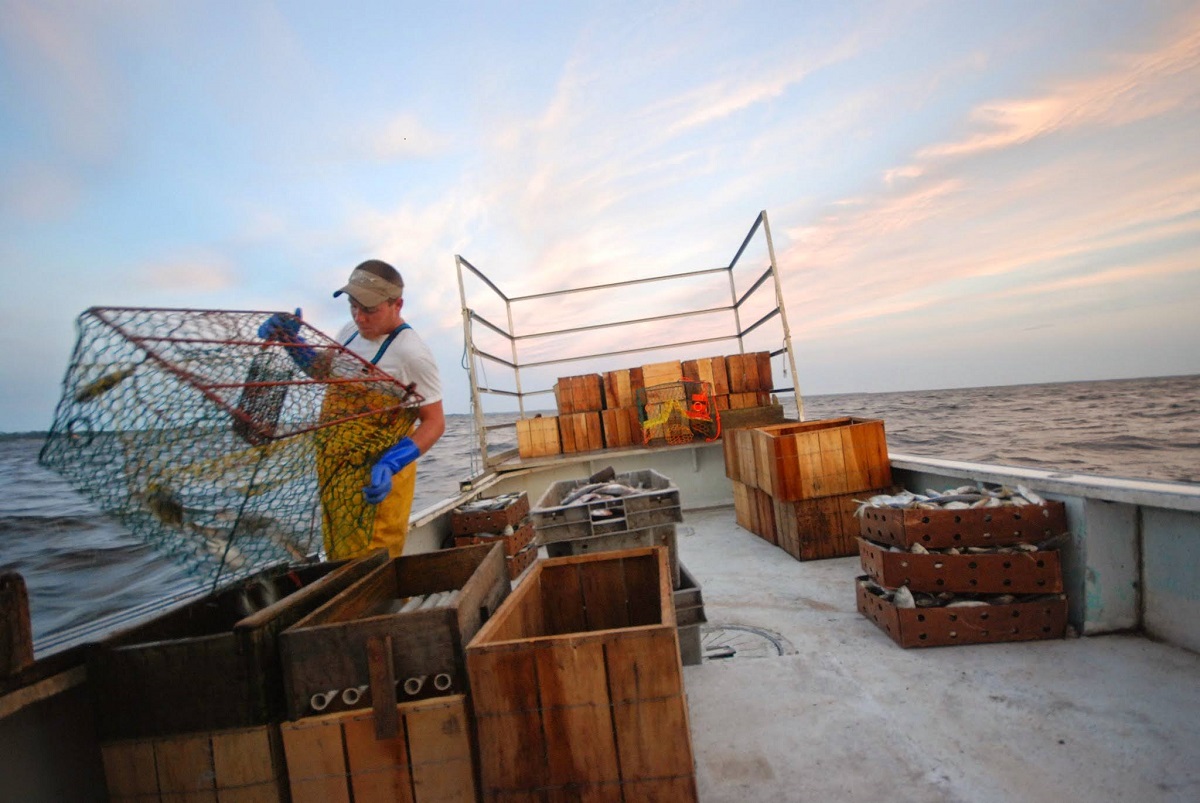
(377, 321)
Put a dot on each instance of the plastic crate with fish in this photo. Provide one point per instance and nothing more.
(605, 506)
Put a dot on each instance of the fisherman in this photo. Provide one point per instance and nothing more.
(378, 333)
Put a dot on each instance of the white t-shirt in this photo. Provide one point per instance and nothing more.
(407, 359)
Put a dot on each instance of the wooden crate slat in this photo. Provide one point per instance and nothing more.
(378, 768)
(247, 766)
(185, 769)
(538, 437)
(562, 604)
(129, 769)
(604, 596)
(316, 760)
(576, 717)
(439, 744)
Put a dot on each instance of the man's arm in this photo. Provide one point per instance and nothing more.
(431, 424)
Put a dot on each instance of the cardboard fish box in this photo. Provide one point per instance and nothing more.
(607, 717)
(336, 758)
(658, 504)
(239, 764)
(1044, 618)
(361, 642)
(985, 526)
(579, 394)
(210, 665)
(1002, 573)
(510, 510)
(538, 436)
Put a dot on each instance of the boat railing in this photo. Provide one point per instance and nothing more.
(520, 353)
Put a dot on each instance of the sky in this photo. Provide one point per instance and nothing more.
(959, 193)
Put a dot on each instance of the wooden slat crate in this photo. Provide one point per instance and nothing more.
(621, 427)
(743, 401)
(749, 373)
(520, 538)
(207, 666)
(336, 758)
(606, 718)
(942, 627)
(660, 373)
(579, 394)
(985, 526)
(826, 527)
(474, 522)
(754, 510)
(1001, 573)
(621, 387)
(812, 459)
(538, 436)
(242, 765)
(356, 641)
(711, 370)
(580, 432)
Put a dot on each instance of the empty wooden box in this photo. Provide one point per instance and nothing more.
(578, 688)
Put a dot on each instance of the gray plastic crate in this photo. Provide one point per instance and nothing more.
(660, 535)
(657, 505)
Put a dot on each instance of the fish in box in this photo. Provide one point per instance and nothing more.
(490, 515)
(512, 542)
(582, 509)
(981, 619)
(999, 570)
(975, 516)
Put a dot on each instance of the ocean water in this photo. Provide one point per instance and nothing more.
(80, 566)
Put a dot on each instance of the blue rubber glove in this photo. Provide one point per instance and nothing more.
(281, 326)
(393, 461)
(284, 328)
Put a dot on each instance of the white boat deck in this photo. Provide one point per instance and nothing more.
(848, 715)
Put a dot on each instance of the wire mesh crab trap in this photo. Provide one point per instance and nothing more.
(678, 412)
(228, 452)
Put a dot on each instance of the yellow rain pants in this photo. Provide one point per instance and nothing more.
(347, 448)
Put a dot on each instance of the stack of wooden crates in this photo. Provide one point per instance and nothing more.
(795, 484)
(377, 693)
(600, 411)
(505, 522)
(189, 705)
(1022, 589)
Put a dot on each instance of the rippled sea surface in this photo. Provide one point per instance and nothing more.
(80, 565)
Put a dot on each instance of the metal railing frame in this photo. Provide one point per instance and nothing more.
(474, 354)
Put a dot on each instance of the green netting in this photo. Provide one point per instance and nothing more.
(213, 446)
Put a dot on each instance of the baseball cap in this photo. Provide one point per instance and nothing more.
(373, 282)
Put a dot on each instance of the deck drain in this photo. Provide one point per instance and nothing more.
(720, 642)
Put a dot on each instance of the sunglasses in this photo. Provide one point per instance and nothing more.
(356, 307)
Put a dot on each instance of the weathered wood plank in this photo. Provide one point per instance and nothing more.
(379, 769)
(576, 718)
(316, 760)
(439, 743)
(129, 770)
(247, 765)
(185, 769)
